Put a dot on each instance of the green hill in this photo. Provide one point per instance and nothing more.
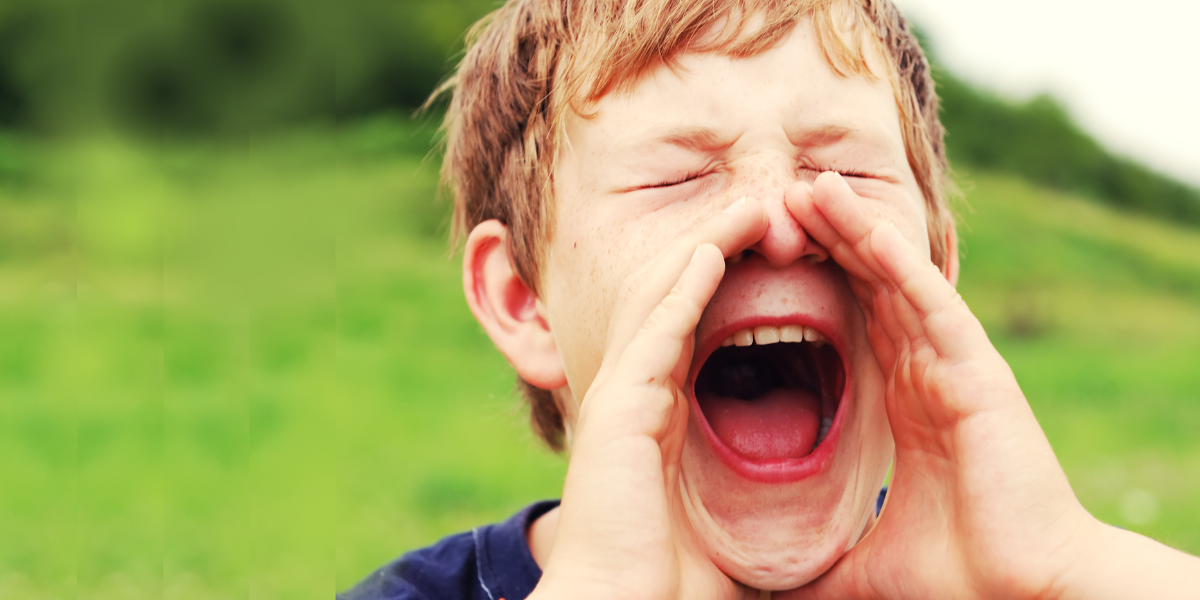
(232, 365)
(229, 68)
(1038, 140)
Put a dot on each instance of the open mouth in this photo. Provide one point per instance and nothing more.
(770, 396)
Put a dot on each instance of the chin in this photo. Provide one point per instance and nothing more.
(787, 442)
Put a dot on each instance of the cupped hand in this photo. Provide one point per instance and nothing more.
(622, 530)
(978, 505)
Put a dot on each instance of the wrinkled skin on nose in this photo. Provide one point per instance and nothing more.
(766, 176)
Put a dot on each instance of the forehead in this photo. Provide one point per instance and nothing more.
(711, 101)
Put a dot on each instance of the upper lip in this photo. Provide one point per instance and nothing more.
(753, 294)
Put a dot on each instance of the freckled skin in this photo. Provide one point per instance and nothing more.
(770, 536)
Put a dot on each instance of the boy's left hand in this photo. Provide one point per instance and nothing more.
(978, 505)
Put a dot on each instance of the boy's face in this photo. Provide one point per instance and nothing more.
(788, 443)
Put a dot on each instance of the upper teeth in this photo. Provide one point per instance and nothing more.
(766, 334)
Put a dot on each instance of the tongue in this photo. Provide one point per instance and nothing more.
(779, 424)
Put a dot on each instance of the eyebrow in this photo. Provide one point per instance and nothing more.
(696, 139)
(827, 135)
(699, 139)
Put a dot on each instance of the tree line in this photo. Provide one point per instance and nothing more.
(222, 67)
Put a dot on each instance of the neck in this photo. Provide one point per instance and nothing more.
(540, 537)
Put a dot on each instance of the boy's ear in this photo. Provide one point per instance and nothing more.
(950, 269)
(507, 309)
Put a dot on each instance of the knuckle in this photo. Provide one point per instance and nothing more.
(653, 320)
(678, 306)
(670, 318)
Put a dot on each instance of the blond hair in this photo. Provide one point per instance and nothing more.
(531, 61)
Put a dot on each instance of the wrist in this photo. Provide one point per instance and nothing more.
(1088, 551)
(1120, 564)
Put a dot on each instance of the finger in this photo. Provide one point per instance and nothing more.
(838, 220)
(897, 316)
(864, 281)
(938, 312)
(881, 327)
(801, 204)
(654, 363)
(842, 215)
(657, 347)
(731, 231)
(904, 324)
(883, 330)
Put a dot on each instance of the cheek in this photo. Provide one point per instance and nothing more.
(576, 312)
(915, 219)
(603, 246)
(593, 252)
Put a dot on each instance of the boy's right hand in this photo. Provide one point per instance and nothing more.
(622, 530)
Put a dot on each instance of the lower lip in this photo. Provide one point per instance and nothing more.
(786, 470)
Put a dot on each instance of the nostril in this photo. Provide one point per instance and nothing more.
(781, 251)
(814, 252)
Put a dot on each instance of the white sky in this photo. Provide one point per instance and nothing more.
(1128, 72)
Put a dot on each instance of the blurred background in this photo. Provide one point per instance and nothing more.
(235, 360)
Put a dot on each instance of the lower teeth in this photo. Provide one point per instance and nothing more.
(826, 423)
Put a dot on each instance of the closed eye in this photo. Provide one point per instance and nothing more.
(680, 180)
(842, 172)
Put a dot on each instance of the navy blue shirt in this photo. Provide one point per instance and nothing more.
(487, 563)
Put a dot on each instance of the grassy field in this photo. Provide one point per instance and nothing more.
(246, 369)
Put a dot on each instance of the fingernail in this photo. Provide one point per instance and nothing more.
(736, 205)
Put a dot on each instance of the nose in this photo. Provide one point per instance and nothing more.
(785, 240)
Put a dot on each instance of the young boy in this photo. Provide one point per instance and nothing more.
(712, 239)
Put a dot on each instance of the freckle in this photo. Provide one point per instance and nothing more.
(650, 381)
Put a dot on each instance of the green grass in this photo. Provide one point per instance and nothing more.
(1097, 312)
(246, 369)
